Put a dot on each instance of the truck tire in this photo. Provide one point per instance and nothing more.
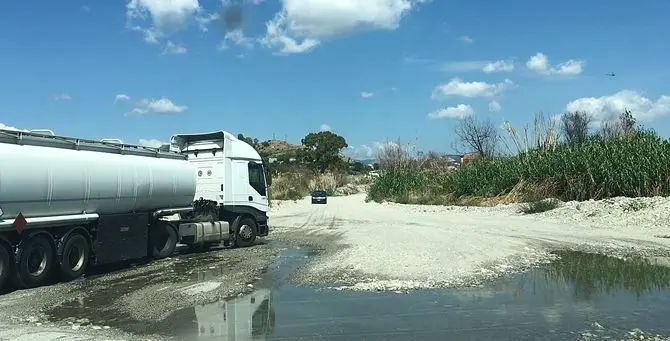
(34, 262)
(5, 265)
(245, 232)
(75, 255)
(162, 240)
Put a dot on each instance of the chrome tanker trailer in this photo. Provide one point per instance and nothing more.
(66, 203)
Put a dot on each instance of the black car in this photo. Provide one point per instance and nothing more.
(319, 197)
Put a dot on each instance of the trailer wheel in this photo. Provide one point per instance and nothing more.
(34, 262)
(163, 240)
(74, 257)
(5, 265)
(245, 233)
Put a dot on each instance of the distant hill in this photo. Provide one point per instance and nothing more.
(366, 161)
(277, 147)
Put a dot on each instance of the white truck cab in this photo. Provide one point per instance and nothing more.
(229, 173)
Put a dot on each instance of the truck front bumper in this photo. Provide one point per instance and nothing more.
(263, 227)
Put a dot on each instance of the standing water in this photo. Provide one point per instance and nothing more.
(580, 296)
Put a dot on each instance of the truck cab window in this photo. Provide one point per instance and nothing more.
(257, 178)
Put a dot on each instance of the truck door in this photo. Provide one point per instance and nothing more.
(249, 185)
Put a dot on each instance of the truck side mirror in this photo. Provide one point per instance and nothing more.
(268, 177)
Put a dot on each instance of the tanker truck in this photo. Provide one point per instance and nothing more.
(67, 203)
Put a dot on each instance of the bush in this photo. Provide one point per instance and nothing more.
(298, 184)
(540, 206)
(290, 186)
(632, 165)
(409, 184)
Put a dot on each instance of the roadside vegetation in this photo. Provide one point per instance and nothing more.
(558, 159)
(294, 171)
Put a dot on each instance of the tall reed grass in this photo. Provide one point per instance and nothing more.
(632, 165)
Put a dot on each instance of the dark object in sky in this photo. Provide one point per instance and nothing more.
(232, 17)
(611, 74)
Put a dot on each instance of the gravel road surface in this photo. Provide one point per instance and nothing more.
(364, 246)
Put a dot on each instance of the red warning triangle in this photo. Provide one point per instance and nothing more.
(20, 223)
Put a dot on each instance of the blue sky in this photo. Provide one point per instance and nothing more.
(371, 71)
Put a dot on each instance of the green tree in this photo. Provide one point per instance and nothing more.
(322, 150)
(357, 166)
(252, 141)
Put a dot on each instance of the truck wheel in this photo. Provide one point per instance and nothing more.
(5, 266)
(245, 233)
(74, 257)
(34, 262)
(163, 240)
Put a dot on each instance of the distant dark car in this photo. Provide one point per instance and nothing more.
(319, 197)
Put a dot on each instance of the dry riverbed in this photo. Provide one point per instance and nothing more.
(363, 246)
(388, 246)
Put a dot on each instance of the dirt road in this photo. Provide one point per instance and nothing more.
(367, 246)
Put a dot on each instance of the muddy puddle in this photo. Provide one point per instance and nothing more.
(581, 296)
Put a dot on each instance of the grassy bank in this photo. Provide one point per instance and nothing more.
(631, 165)
(297, 184)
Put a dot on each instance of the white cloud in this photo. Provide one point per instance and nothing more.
(499, 66)
(276, 37)
(62, 97)
(301, 25)
(457, 87)
(121, 98)
(494, 106)
(159, 106)
(205, 20)
(367, 151)
(366, 94)
(324, 127)
(463, 66)
(642, 107)
(154, 143)
(460, 111)
(540, 63)
(466, 39)
(172, 48)
(237, 37)
(486, 66)
(165, 17)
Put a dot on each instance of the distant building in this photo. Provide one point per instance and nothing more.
(469, 157)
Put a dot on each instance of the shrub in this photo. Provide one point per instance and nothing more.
(407, 183)
(290, 186)
(540, 206)
(298, 184)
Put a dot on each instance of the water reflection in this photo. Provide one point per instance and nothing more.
(554, 302)
(249, 317)
(592, 275)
